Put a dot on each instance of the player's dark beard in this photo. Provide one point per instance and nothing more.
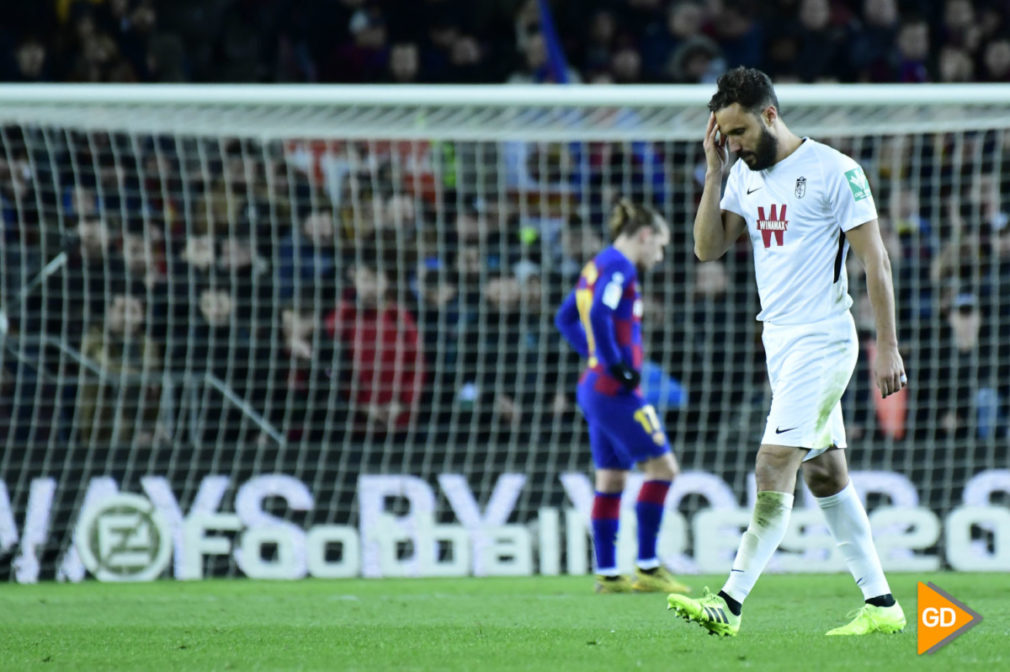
(764, 154)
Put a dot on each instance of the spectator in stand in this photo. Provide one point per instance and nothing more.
(119, 405)
(960, 28)
(986, 194)
(579, 242)
(303, 398)
(915, 243)
(698, 60)
(439, 322)
(17, 184)
(283, 192)
(705, 335)
(307, 257)
(913, 52)
(963, 371)
(380, 337)
(117, 180)
(872, 46)
(248, 274)
(138, 253)
(436, 46)
(535, 69)
(195, 262)
(599, 43)
(548, 400)
(247, 43)
(102, 62)
(466, 61)
(996, 60)
(32, 61)
(400, 213)
(470, 269)
(191, 268)
(823, 54)
(364, 59)
(19, 219)
(626, 65)
(404, 63)
(161, 181)
(739, 33)
(217, 356)
(143, 269)
(684, 21)
(80, 200)
(955, 65)
(219, 206)
(481, 241)
(77, 296)
(1002, 250)
(992, 19)
(488, 362)
(129, 23)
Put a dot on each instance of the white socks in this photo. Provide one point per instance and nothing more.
(764, 534)
(850, 527)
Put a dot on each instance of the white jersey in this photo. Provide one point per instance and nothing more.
(797, 213)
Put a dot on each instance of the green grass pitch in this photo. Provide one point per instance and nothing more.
(537, 623)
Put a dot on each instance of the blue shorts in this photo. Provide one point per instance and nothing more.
(623, 429)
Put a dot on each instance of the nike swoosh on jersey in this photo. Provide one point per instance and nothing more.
(751, 191)
(779, 430)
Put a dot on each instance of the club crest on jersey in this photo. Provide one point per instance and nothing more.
(775, 224)
(801, 187)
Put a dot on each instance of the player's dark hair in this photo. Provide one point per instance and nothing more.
(749, 87)
(628, 218)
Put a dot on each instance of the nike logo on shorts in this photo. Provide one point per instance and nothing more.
(779, 430)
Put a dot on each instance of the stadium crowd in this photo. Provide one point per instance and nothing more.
(353, 309)
(437, 41)
(351, 315)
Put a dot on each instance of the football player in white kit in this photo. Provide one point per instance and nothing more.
(803, 205)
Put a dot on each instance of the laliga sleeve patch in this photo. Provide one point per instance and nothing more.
(858, 183)
(612, 294)
(614, 290)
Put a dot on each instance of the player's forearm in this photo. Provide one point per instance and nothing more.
(709, 231)
(602, 323)
(576, 338)
(567, 322)
(881, 292)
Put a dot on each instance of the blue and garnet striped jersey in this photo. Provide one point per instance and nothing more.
(602, 317)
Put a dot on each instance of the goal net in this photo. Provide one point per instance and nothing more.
(313, 327)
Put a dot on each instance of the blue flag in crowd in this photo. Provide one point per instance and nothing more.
(557, 66)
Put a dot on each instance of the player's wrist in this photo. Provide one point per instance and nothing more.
(627, 376)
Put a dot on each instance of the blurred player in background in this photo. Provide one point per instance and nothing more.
(803, 205)
(602, 318)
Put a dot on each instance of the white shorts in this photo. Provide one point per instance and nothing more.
(809, 366)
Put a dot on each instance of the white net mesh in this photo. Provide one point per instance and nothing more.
(329, 289)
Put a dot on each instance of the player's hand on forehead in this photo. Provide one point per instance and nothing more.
(714, 145)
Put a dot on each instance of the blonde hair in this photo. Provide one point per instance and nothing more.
(628, 218)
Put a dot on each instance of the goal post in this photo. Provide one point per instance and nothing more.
(319, 320)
